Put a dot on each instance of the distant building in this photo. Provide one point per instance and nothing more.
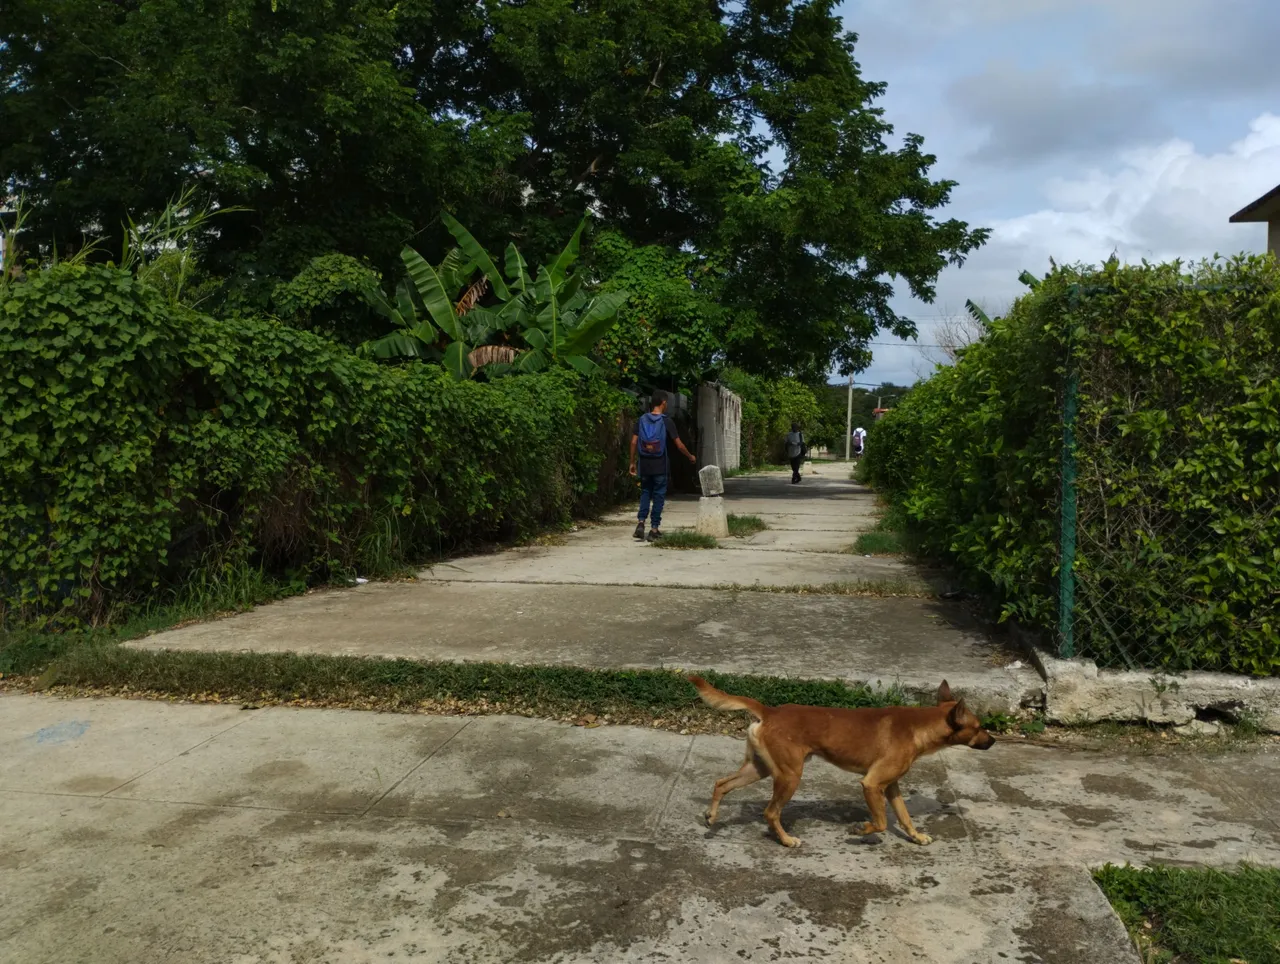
(879, 413)
(1265, 210)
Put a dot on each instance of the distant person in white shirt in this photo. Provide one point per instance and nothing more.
(859, 441)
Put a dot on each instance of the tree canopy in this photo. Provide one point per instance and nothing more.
(736, 144)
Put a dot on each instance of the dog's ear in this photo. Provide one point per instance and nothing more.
(956, 717)
(944, 693)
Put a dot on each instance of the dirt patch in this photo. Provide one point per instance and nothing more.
(91, 785)
(1089, 816)
(1009, 794)
(1126, 787)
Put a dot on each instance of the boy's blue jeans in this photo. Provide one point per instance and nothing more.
(653, 490)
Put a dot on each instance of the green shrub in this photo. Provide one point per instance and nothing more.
(140, 441)
(1177, 450)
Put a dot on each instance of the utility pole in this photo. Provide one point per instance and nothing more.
(848, 420)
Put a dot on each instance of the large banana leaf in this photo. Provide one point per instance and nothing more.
(566, 258)
(398, 344)
(548, 316)
(479, 324)
(517, 269)
(580, 363)
(534, 360)
(519, 311)
(404, 304)
(571, 295)
(977, 314)
(432, 292)
(542, 286)
(498, 369)
(537, 339)
(455, 270)
(455, 359)
(594, 322)
(473, 250)
(378, 301)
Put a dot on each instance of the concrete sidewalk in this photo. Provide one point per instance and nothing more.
(137, 831)
(601, 599)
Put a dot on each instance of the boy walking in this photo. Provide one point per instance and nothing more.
(651, 443)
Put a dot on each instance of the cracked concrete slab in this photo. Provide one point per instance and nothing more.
(559, 604)
(522, 840)
(819, 636)
(637, 564)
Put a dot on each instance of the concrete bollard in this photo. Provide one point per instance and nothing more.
(711, 480)
(712, 520)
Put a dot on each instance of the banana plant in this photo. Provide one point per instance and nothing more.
(418, 335)
(557, 322)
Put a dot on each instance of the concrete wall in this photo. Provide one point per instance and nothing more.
(719, 427)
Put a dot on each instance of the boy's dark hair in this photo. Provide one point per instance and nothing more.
(795, 426)
(658, 399)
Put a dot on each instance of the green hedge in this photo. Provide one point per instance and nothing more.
(1178, 459)
(139, 440)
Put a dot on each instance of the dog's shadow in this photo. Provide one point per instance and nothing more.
(841, 813)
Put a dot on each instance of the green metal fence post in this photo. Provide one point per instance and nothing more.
(1067, 523)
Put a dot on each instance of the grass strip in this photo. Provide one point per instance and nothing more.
(880, 588)
(401, 684)
(742, 526)
(1204, 915)
(878, 543)
(886, 539)
(684, 539)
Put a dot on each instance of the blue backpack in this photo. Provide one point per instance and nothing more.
(653, 436)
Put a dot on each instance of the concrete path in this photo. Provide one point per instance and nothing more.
(136, 831)
(601, 599)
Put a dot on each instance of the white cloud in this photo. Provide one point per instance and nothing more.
(1159, 203)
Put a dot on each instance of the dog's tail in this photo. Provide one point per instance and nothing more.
(727, 701)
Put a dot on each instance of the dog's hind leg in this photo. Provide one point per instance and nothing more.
(904, 819)
(785, 782)
(748, 774)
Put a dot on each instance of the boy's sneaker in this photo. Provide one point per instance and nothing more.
(655, 535)
(639, 533)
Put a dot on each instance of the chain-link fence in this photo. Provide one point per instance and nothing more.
(1169, 552)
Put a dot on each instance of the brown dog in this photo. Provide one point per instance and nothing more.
(879, 743)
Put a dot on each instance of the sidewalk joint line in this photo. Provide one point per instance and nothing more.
(675, 782)
(139, 776)
(416, 766)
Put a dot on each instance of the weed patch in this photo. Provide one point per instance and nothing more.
(1212, 916)
(684, 539)
(742, 526)
(886, 539)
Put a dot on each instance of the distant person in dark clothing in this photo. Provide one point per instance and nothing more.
(795, 451)
(651, 443)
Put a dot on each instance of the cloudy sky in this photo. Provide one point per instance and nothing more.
(1076, 128)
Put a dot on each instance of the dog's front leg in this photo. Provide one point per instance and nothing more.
(904, 819)
(874, 793)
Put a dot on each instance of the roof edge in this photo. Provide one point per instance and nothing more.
(1253, 211)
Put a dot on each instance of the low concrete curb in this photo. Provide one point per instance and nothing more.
(1006, 689)
(1077, 691)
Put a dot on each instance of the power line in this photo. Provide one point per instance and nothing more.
(904, 344)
